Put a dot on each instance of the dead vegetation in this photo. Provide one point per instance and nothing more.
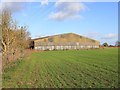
(15, 39)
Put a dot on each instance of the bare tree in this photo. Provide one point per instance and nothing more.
(14, 38)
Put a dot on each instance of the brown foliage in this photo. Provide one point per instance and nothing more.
(14, 38)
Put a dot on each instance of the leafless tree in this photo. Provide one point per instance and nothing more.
(14, 38)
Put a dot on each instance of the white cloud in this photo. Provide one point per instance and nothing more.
(12, 6)
(77, 0)
(110, 36)
(61, 0)
(17, 0)
(0, 7)
(44, 2)
(92, 34)
(67, 10)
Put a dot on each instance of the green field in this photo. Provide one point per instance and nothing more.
(68, 69)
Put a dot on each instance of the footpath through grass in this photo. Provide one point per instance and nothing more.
(51, 69)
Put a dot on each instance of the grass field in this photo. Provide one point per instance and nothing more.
(82, 68)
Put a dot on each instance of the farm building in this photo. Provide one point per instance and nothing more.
(64, 42)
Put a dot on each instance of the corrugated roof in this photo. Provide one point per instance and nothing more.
(62, 34)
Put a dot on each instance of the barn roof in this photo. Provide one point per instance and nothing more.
(63, 34)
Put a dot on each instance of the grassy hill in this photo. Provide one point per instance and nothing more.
(82, 68)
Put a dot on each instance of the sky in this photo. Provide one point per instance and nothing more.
(96, 20)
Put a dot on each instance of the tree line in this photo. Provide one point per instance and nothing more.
(14, 38)
(117, 44)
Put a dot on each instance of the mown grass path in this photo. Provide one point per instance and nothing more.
(52, 69)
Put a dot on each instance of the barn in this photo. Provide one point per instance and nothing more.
(65, 41)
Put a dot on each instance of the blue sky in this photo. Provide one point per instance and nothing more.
(97, 20)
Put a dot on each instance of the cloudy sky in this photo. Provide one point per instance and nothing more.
(97, 20)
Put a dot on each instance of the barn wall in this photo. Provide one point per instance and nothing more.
(65, 41)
